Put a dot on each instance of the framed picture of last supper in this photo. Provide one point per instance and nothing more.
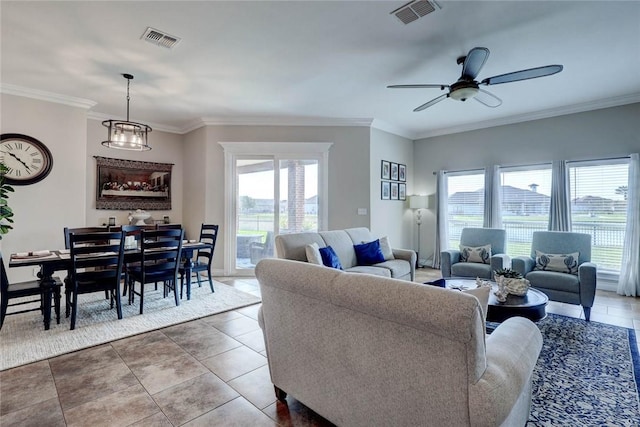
(131, 184)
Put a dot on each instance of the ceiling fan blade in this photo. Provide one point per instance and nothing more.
(531, 73)
(473, 62)
(487, 98)
(432, 102)
(419, 86)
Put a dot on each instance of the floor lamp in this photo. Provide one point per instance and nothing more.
(417, 203)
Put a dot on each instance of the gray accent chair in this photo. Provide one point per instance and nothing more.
(577, 289)
(450, 264)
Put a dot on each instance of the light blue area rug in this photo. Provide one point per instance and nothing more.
(588, 374)
(23, 338)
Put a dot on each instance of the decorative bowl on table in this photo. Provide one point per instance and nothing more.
(140, 216)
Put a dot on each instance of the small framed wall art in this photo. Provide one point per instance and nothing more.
(385, 190)
(402, 173)
(394, 191)
(394, 171)
(402, 191)
(385, 172)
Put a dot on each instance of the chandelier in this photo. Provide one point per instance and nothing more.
(126, 135)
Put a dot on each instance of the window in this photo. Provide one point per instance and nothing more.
(465, 202)
(526, 192)
(598, 191)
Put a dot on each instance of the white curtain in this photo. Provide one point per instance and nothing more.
(442, 208)
(560, 209)
(629, 281)
(492, 198)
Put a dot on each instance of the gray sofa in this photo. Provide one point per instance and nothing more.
(292, 246)
(362, 350)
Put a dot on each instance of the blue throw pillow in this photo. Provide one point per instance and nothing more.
(369, 253)
(329, 258)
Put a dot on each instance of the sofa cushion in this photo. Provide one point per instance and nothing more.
(479, 254)
(313, 253)
(398, 267)
(471, 269)
(369, 253)
(562, 263)
(385, 247)
(561, 281)
(329, 258)
(370, 269)
(342, 244)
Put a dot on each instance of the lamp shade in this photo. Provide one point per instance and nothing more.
(418, 202)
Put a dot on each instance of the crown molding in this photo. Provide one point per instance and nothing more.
(42, 95)
(386, 127)
(538, 115)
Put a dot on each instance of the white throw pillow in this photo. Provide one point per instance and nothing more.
(480, 254)
(385, 247)
(482, 294)
(563, 263)
(313, 253)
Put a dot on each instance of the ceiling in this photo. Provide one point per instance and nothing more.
(319, 62)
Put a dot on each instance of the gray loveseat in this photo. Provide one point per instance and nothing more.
(293, 246)
(362, 350)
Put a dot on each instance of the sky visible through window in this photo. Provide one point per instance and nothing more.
(259, 185)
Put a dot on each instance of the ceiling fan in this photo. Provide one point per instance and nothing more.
(467, 87)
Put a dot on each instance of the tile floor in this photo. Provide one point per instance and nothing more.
(208, 372)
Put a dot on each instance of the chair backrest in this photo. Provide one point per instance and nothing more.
(562, 242)
(208, 234)
(160, 254)
(96, 257)
(496, 237)
(5, 279)
(68, 231)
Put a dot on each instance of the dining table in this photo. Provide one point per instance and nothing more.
(60, 260)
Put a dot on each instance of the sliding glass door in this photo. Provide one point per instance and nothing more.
(271, 194)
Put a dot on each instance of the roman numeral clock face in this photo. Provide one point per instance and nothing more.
(27, 159)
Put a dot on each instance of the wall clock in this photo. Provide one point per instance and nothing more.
(27, 159)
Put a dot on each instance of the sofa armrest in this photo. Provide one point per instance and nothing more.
(512, 352)
(499, 261)
(447, 259)
(409, 256)
(587, 275)
(523, 264)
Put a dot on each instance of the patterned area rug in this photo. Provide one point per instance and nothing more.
(23, 338)
(588, 374)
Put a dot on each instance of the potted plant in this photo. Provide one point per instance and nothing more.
(6, 214)
(512, 282)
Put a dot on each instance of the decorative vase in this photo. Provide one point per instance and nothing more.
(518, 287)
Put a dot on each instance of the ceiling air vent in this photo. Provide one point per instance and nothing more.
(160, 38)
(414, 10)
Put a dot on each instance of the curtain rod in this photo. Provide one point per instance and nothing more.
(539, 164)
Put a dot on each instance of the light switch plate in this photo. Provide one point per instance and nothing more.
(362, 211)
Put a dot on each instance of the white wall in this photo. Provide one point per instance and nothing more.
(392, 218)
(165, 148)
(604, 133)
(43, 209)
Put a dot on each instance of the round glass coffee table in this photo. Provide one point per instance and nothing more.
(532, 305)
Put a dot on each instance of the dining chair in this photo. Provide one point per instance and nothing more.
(204, 257)
(96, 266)
(69, 230)
(160, 258)
(23, 293)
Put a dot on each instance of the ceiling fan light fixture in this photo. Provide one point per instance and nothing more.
(463, 90)
(127, 135)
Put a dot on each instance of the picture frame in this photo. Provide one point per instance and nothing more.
(385, 190)
(402, 191)
(130, 184)
(394, 171)
(402, 173)
(385, 170)
(394, 191)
